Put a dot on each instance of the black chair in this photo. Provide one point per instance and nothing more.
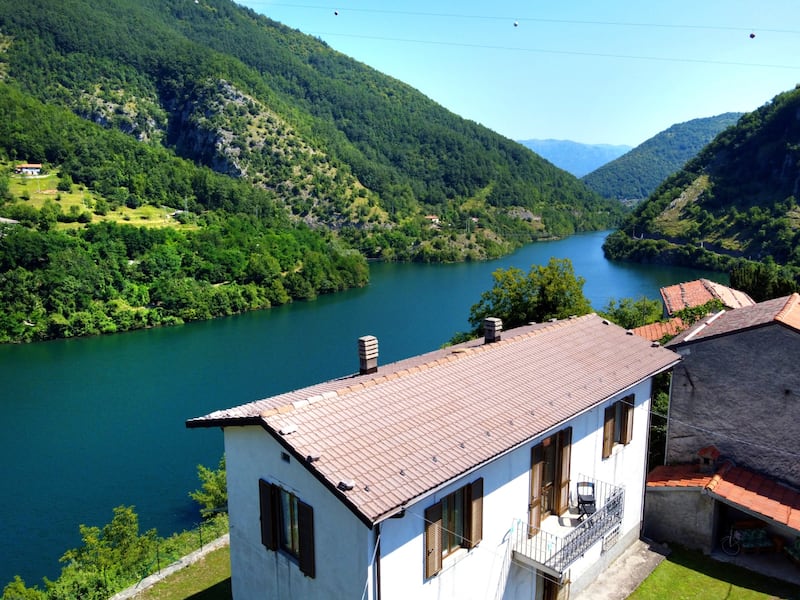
(586, 500)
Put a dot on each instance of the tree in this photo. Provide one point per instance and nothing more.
(630, 313)
(546, 292)
(213, 494)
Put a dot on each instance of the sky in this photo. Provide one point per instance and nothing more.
(610, 72)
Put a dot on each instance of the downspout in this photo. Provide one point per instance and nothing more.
(377, 561)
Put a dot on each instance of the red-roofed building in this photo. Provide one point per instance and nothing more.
(699, 292)
(453, 474)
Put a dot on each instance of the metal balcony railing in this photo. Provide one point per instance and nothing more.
(555, 553)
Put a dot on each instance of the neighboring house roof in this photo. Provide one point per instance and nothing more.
(785, 310)
(699, 292)
(736, 486)
(418, 424)
(657, 331)
(8, 221)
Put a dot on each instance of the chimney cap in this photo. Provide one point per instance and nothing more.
(368, 354)
(492, 328)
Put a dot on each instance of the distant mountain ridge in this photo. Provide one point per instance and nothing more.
(733, 207)
(636, 174)
(575, 157)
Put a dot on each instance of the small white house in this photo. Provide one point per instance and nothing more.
(452, 474)
(28, 169)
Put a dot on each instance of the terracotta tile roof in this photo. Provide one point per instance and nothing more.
(698, 292)
(757, 493)
(677, 476)
(734, 485)
(656, 331)
(420, 423)
(785, 310)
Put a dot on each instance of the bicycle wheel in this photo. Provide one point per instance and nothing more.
(730, 545)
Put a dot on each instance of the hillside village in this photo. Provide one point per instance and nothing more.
(181, 175)
(515, 465)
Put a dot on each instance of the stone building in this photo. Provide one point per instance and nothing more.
(733, 428)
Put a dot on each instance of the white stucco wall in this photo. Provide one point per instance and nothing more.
(344, 545)
(480, 572)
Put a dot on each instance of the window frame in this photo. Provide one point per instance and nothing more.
(442, 536)
(276, 526)
(618, 424)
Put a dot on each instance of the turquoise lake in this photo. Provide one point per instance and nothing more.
(100, 422)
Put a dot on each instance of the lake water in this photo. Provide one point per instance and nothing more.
(94, 423)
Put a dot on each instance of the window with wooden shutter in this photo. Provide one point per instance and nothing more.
(455, 522)
(475, 513)
(269, 529)
(564, 456)
(618, 424)
(535, 504)
(287, 525)
(305, 522)
(608, 431)
(627, 420)
(433, 540)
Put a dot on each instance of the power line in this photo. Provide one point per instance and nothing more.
(559, 52)
(523, 19)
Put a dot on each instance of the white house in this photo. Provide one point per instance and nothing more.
(29, 169)
(447, 475)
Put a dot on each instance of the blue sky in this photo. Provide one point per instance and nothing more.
(614, 72)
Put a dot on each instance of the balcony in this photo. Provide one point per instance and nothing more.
(561, 540)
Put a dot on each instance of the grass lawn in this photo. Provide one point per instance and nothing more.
(683, 575)
(43, 188)
(207, 579)
(689, 575)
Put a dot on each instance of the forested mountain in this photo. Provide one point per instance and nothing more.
(574, 157)
(634, 176)
(732, 207)
(277, 164)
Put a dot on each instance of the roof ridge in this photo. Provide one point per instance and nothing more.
(457, 354)
(792, 302)
(379, 378)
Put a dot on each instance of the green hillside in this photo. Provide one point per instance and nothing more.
(203, 160)
(635, 175)
(338, 143)
(733, 207)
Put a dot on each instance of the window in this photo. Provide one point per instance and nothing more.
(456, 521)
(287, 525)
(618, 424)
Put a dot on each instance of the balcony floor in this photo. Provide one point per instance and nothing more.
(561, 525)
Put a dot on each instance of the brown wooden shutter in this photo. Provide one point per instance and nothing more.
(608, 431)
(564, 451)
(627, 420)
(433, 540)
(475, 513)
(268, 506)
(535, 506)
(305, 525)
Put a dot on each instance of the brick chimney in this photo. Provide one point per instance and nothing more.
(492, 326)
(368, 354)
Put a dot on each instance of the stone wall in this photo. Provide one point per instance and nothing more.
(741, 393)
(680, 516)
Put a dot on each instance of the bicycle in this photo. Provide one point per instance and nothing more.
(731, 544)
